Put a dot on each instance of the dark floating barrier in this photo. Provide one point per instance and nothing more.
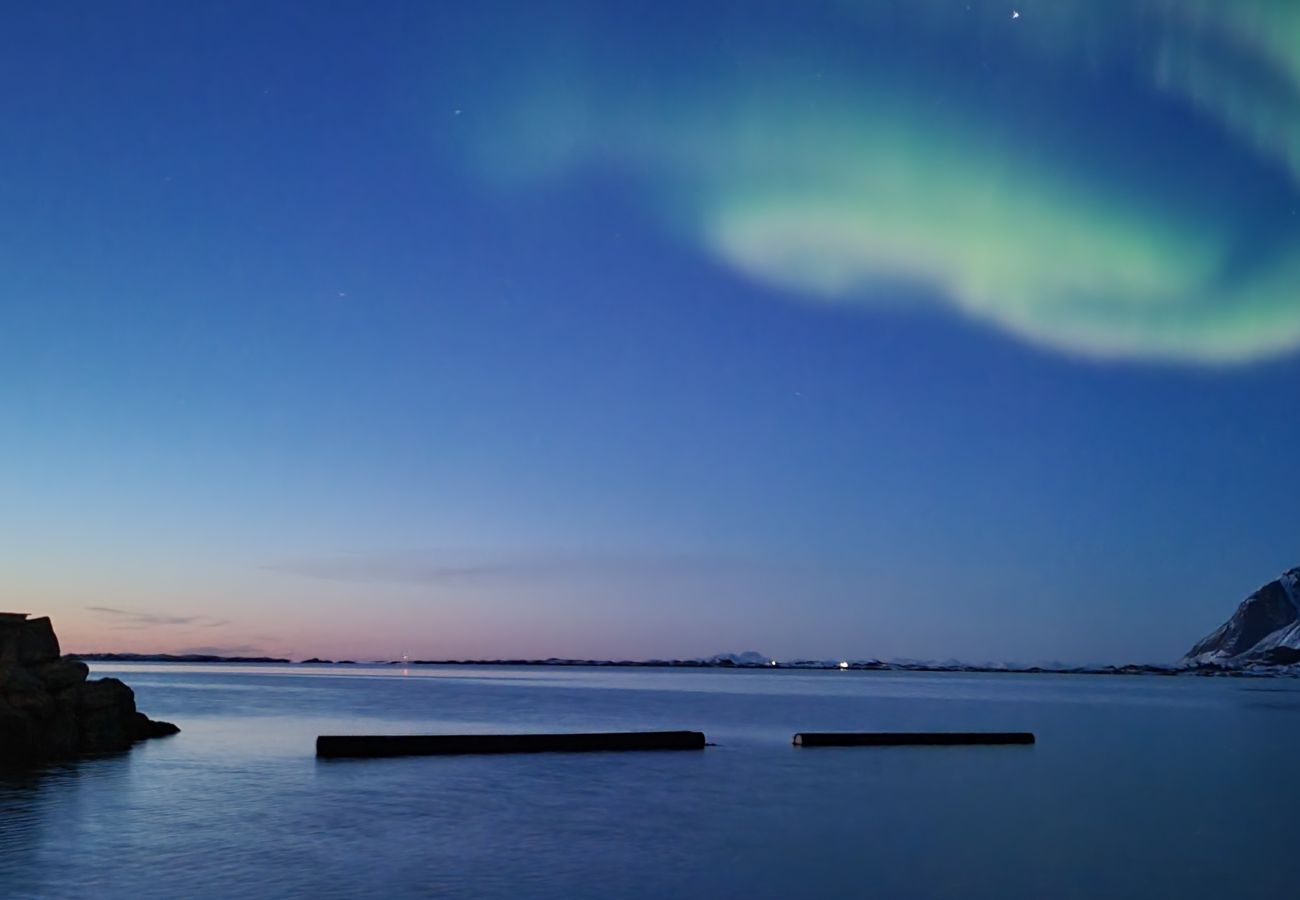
(909, 738)
(368, 746)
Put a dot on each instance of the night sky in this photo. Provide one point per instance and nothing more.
(830, 328)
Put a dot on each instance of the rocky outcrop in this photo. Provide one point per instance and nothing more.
(48, 710)
(1265, 629)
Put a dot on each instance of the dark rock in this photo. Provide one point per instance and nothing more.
(48, 710)
(105, 693)
(104, 730)
(26, 641)
(107, 715)
(17, 735)
(26, 693)
(19, 680)
(37, 642)
(60, 736)
(1280, 656)
(143, 728)
(10, 627)
(63, 673)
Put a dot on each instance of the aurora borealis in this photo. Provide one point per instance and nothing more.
(1113, 179)
(619, 328)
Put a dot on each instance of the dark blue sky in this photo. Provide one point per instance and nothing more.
(836, 330)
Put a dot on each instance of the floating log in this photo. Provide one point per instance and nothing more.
(366, 746)
(909, 738)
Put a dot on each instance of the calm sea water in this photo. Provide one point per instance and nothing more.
(1138, 787)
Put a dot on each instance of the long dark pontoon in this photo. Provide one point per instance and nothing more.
(909, 738)
(365, 746)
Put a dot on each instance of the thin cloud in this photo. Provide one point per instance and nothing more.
(133, 619)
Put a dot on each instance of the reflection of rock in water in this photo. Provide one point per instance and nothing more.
(48, 710)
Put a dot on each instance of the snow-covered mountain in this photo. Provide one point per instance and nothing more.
(1264, 629)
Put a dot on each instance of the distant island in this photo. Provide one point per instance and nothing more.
(173, 657)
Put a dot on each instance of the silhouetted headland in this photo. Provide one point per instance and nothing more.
(48, 710)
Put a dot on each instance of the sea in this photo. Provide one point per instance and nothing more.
(1138, 786)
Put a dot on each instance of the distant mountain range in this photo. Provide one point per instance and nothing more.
(1265, 629)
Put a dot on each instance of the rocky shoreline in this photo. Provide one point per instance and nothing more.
(48, 708)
